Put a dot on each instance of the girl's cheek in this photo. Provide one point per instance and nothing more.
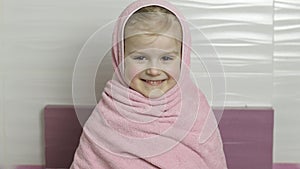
(173, 70)
(131, 71)
(174, 73)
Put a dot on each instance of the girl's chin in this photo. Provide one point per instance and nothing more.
(153, 94)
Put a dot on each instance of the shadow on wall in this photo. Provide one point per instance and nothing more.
(104, 74)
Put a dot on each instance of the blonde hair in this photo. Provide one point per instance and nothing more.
(153, 20)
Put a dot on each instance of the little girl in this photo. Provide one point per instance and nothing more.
(151, 114)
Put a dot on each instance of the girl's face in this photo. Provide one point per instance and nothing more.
(152, 64)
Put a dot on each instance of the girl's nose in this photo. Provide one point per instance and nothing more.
(153, 71)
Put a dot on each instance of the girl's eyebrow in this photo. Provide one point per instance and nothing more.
(173, 52)
(141, 52)
(135, 51)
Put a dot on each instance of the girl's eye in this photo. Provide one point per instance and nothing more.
(167, 58)
(139, 58)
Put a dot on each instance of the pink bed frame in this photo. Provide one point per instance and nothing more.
(247, 136)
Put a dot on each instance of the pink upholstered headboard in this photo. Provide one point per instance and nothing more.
(62, 132)
(247, 136)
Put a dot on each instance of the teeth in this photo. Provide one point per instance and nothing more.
(154, 82)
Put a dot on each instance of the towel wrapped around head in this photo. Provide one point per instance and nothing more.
(130, 129)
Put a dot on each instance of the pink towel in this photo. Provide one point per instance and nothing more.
(128, 131)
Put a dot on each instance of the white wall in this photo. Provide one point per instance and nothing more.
(1, 93)
(40, 41)
(286, 98)
(241, 32)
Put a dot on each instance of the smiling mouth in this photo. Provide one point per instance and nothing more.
(153, 82)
